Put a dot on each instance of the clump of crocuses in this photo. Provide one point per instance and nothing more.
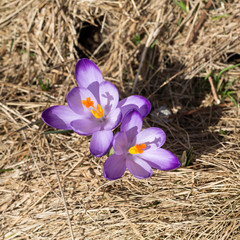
(94, 109)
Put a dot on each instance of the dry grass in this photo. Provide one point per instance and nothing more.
(54, 188)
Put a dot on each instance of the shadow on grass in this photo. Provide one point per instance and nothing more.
(194, 115)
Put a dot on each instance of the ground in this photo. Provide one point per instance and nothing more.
(170, 52)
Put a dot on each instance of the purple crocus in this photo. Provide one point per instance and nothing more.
(137, 150)
(93, 108)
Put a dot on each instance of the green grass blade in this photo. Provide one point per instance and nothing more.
(58, 132)
(182, 5)
(179, 21)
(207, 76)
(232, 99)
(11, 46)
(226, 69)
(6, 170)
(219, 17)
(228, 85)
(153, 44)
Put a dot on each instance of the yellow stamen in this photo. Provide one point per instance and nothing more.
(97, 113)
(137, 149)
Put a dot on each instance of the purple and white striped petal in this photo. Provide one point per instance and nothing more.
(141, 104)
(59, 117)
(85, 126)
(113, 119)
(132, 124)
(138, 167)
(86, 73)
(74, 100)
(153, 138)
(114, 167)
(109, 96)
(161, 159)
(101, 142)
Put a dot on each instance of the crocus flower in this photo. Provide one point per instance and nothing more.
(93, 108)
(138, 151)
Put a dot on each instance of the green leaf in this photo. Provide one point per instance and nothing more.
(222, 132)
(32, 54)
(186, 158)
(110, 152)
(23, 50)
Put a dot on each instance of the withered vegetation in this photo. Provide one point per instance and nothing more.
(50, 185)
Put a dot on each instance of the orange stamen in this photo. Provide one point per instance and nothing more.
(97, 113)
(88, 103)
(137, 149)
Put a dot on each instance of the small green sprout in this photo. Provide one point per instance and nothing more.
(137, 39)
(31, 54)
(222, 132)
(150, 65)
(186, 158)
(223, 89)
(45, 87)
(182, 5)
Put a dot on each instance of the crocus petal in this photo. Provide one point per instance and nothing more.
(161, 159)
(113, 119)
(94, 88)
(109, 96)
(101, 142)
(135, 102)
(120, 143)
(132, 124)
(138, 167)
(59, 117)
(153, 137)
(85, 126)
(74, 100)
(87, 72)
(114, 167)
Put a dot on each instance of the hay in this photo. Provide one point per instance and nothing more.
(54, 188)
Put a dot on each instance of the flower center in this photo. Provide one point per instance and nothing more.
(137, 149)
(96, 112)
